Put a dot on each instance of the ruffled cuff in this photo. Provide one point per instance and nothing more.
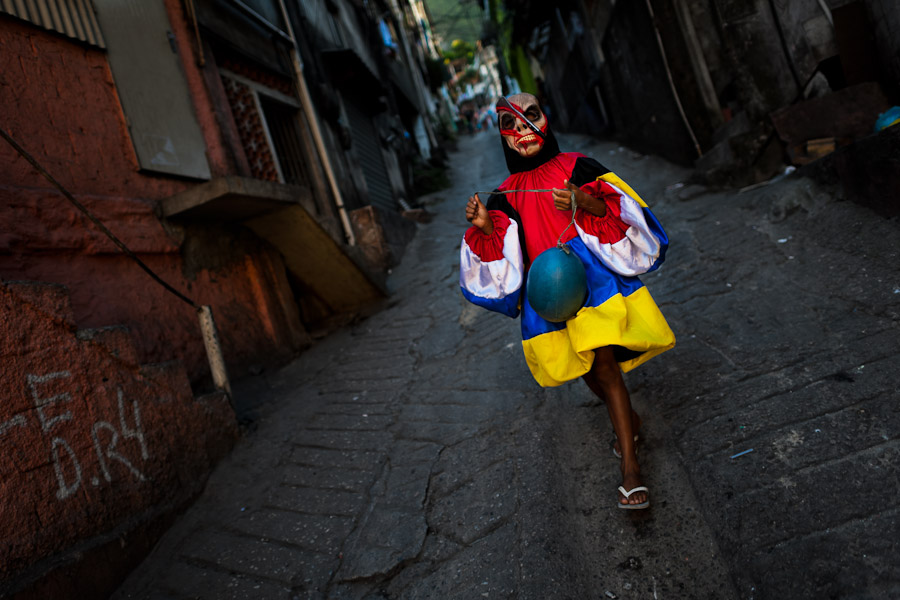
(489, 247)
(610, 228)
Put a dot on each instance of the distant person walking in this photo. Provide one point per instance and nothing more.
(615, 237)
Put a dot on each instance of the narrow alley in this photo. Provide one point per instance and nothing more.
(412, 455)
(238, 357)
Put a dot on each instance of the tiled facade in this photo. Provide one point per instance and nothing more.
(251, 129)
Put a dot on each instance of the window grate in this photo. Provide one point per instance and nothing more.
(281, 121)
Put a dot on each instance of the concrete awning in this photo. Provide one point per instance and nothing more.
(281, 214)
(335, 273)
(233, 198)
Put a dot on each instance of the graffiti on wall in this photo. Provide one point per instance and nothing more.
(53, 413)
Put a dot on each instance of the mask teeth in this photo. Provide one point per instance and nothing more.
(528, 138)
(534, 128)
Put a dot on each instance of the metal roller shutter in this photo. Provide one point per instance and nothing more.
(367, 147)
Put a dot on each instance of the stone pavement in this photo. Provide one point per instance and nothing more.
(412, 455)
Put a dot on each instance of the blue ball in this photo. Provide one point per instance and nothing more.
(557, 285)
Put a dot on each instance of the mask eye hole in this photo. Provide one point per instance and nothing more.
(507, 122)
(533, 113)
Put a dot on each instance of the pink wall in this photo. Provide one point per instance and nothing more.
(87, 470)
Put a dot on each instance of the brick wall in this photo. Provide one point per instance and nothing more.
(95, 445)
(60, 103)
(101, 435)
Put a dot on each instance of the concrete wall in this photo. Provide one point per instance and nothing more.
(868, 171)
(636, 90)
(885, 16)
(61, 105)
(739, 61)
(98, 449)
(753, 32)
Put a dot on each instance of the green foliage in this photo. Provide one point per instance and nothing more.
(437, 73)
(460, 49)
(521, 69)
(456, 20)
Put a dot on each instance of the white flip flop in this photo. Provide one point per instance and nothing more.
(639, 488)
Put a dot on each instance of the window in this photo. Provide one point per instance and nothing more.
(281, 121)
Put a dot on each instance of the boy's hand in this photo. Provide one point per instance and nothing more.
(477, 215)
(562, 200)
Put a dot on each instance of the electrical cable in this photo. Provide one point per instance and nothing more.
(127, 251)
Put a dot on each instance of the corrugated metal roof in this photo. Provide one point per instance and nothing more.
(72, 18)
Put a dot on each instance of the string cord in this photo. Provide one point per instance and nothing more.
(559, 242)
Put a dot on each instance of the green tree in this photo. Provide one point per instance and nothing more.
(460, 49)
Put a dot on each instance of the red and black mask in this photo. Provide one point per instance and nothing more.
(523, 124)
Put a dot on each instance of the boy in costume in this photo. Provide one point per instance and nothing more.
(616, 237)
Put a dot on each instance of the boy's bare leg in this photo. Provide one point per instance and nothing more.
(594, 386)
(635, 429)
(591, 381)
(607, 377)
